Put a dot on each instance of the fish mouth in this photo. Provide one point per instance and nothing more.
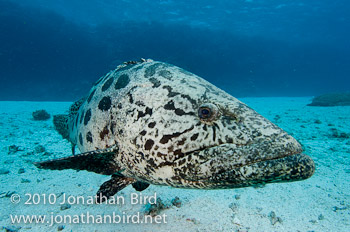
(233, 166)
(291, 167)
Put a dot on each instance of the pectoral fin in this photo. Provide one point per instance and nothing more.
(99, 161)
(140, 186)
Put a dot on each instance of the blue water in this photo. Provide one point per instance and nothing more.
(55, 50)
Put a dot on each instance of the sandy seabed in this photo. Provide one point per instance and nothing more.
(321, 203)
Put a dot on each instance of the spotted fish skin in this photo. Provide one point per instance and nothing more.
(166, 126)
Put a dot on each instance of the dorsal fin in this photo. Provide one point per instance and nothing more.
(99, 161)
(60, 121)
(75, 107)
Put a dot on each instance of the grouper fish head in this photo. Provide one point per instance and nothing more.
(186, 132)
(167, 126)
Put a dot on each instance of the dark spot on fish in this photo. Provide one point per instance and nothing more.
(229, 140)
(178, 153)
(105, 103)
(205, 127)
(89, 137)
(139, 103)
(142, 114)
(214, 133)
(170, 105)
(293, 172)
(169, 182)
(134, 141)
(151, 70)
(170, 91)
(191, 100)
(107, 84)
(151, 124)
(181, 162)
(216, 125)
(87, 117)
(104, 132)
(194, 137)
(155, 82)
(122, 82)
(80, 139)
(179, 112)
(120, 106)
(181, 142)
(151, 163)
(189, 157)
(159, 154)
(166, 74)
(131, 100)
(149, 144)
(166, 138)
(112, 127)
(91, 95)
(170, 149)
(143, 132)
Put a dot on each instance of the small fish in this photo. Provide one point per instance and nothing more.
(150, 122)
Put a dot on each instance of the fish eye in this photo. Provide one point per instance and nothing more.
(204, 112)
(207, 112)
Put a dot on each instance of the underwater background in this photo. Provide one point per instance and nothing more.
(55, 50)
(274, 55)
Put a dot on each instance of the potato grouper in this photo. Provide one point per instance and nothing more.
(150, 122)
